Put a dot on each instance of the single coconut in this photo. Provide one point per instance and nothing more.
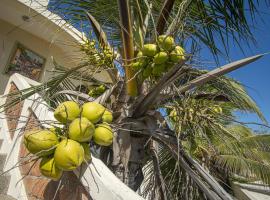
(166, 42)
(81, 130)
(158, 69)
(40, 142)
(67, 111)
(93, 111)
(69, 155)
(107, 117)
(87, 153)
(47, 168)
(149, 50)
(137, 65)
(160, 57)
(178, 54)
(147, 71)
(103, 135)
(139, 56)
(143, 60)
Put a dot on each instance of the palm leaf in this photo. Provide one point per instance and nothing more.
(164, 15)
(100, 34)
(249, 168)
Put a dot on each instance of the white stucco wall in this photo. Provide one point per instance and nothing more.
(9, 35)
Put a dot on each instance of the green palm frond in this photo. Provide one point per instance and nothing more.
(249, 168)
(63, 79)
(176, 181)
(235, 93)
(201, 22)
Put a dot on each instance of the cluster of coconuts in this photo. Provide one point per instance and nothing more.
(67, 148)
(95, 91)
(215, 109)
(155, 59)
(103, 57)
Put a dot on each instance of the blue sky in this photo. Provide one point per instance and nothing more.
(255, 76)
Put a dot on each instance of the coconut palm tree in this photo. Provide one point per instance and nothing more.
(172, 125)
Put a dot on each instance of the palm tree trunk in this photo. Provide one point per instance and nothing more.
(129, 158)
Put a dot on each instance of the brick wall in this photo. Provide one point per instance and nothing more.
(13, 113)
(39, 187)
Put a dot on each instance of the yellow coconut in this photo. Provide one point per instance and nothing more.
(158, 69)
(178, 54)
(81, 130)
(67, 111)
(166, 42)
(160, 57)
(103, 135)
(149, 50)
(96, 58)
(173, 115)
(47, 168)
(93, 111)
(217, 109)
(40, 142)
(87, 153)
(107, 117)
(69, 155)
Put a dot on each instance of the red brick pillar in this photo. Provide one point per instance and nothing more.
(13, 113)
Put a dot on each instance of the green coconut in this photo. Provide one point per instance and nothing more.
(139, 56)
(158, 69)
(103, 135)
(40, 142)
(67, 111)
(149, 50)
(69, 155)
(147, 71)
(107, 117)
(101, 89)
(96, 91)
(93, 111)
(81, 130)
(87, 153)
(160, 57)
(47, 168)
(178, 54)
(166, 42)
(137, 65)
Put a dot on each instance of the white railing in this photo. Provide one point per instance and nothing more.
(102, 182)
